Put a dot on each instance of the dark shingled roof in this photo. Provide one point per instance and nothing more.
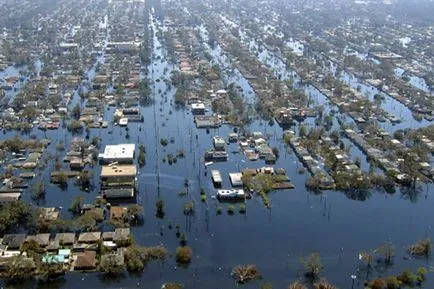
(42, 239)
(65, 238)
(14, 241)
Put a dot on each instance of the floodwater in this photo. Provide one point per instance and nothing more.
(334, 224)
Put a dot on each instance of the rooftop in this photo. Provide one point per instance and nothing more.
(120, 151)
(118, 171)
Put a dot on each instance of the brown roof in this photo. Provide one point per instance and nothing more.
(90, 237)
(117, 212)
(119, 171)
(86, 260)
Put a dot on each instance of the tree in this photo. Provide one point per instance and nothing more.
(29, 113)
(313, 265)
(76, 111)
(421, 248)
(172, 286)
(160, 209)
(84, 180)
(16, 215)
(367, 257)
(296, 285)
(184, 255)
(302, 132)
(388, 252)
(276, 151)
(96, 141)
(76, 205)
(411, 167)
(137, 257)
(324, 284)
(134, 214)
(110, 265)
(21, 267)
(141, 160)
(245, 273)
(38, 191)
(88, 221)
(62, 179)
(378, 284)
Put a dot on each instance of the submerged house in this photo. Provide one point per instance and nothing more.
(121, 153)
(118, 181)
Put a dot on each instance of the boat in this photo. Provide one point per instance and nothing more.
(231, 194)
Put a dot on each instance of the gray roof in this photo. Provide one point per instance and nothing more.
(42, 239)
(90, 237)
(122, 234)
(65, 238)
(14, 241)
(107, 236)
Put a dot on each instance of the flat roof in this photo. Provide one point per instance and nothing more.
(198, 105)
(118, 171)
(120, 151)
(236, 179)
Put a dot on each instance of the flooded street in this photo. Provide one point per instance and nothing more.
(336, 224)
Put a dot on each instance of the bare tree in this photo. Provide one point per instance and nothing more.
(313, 265)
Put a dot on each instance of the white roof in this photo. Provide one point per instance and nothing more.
(236, 179)
(198, 106)
(123, 121)
(120, 151)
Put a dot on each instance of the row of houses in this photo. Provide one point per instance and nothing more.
(11, 244)
(312, 165)
(71, 251)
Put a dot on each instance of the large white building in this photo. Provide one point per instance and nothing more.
(121, 153)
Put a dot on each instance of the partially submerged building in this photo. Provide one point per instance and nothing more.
(121, 153)
(118, 181)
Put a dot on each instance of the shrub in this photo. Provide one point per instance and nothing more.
(392, 283)
(184, 255)
(421, 248)
(297, 285)
(313, 265)
(378, 284)
(137, 257)
(245, 273)
(38, 191)
(324, 284)
(164, 142)
(203, 198)
(172, 286)
(407, 278)
(231, 209)
(242, 209)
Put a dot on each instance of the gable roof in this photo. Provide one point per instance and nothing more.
(108, 236)
(89, 237)
(14, 241)
(42, 239)
(65, 238)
